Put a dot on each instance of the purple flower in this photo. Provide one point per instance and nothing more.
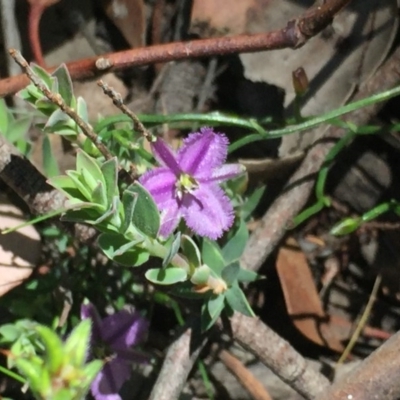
(187, 184)
(114, 335)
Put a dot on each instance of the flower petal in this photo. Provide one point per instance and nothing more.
(227, 171)
(208, 211)
(88, 310)
(202, 152)
(170, 216)
(123, 329)
(110, 379)
(160, 182)
(165, 156)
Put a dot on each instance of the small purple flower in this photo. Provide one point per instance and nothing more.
(187, 184)
(115, 334)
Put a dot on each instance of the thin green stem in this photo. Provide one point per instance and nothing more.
(313, 122)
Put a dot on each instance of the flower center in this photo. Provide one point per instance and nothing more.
(185, 184)
(102, 351)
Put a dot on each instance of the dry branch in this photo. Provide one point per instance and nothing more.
(294, 35)
(278, 355)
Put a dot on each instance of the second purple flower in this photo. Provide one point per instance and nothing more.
(187, 184)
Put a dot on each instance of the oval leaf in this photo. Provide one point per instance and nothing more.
(146, 216)
(234, 248)
(212, 256)
(237, 300)
(168, 276)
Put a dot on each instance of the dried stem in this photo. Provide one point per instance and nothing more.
(361, 323)
(56, 99)
(272, 227)
(294, 35)
(119, 103)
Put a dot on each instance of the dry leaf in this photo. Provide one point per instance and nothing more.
(129, 17)
(301, 297)
(19, 251)
(220, 17)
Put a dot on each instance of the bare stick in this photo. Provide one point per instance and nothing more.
(56, 99)
(176, 367)
(278, 355)
(119, 103)
(294, 35)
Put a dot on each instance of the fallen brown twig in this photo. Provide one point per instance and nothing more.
(294, 35)
(246, 378)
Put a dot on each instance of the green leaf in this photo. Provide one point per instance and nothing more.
(53, 346)
(82, 187)
(109, 170)
(191, 251)
(67, 185)
(45, 106)
(252, 202)
(230, 273)
(4, 117)
(81, 109)
(346, 226)
(99, 195)
(247, 276)
(65, 88)
(76, 347)
(91, 370)
(89, 213)
(32, 372)
(43, 75)
(206, 320)
(168, 276)
(57, 118)
(116, 247)
(18, 129)
(129, 200)
(10, 333)
(212, 256)
(215, 305)
(234, 248)
(201, 275)
(173, 249)
(146, 216)
(49, 162)
(88, 167)
(237, 300)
